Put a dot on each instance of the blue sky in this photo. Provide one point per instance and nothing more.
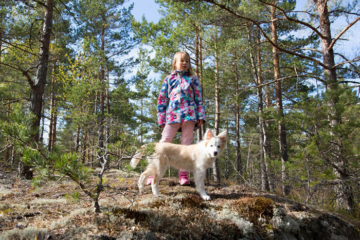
(148, 8)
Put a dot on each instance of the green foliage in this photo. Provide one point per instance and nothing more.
(46, 164)
(74, 196)
(69, 164)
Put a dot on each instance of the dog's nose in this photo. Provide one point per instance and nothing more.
(215, 153)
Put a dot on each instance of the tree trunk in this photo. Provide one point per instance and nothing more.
(53, 114)
(258, 80)
(198, 69)
(12, 158)
(202, 129)
(201, 75)
(7, 152)
(344, 192)
(267, 141)
(217, 108)
(239, 171)
(38, 87)
(84, 147)
(37, 90)
(1, 35)
(279, 107)
(102, 100)
(269, 184)
(77, 139)
(41, 141)
(107, 141)
(54, 127)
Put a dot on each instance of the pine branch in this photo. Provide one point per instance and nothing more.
(71, 13)
(352, 65)
(258, 24)
(342, 32)
(16, 46)
(357, 59)
(293, 19)
(24, 72)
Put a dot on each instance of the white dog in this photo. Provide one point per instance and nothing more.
(196, 158)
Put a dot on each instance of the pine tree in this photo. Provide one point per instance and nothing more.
(109, 27)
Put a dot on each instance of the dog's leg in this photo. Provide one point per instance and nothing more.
(141, 183)
(155, 185)
(156, 180)
(143, 178)
(199, 177)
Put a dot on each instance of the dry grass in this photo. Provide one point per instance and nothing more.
(54, 210)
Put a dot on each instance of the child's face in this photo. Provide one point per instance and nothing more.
(182, 64)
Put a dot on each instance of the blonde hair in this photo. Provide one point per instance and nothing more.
(180, 55)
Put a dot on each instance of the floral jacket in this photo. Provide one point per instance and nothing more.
(180, 99)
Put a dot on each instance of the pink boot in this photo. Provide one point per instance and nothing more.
(149, 180)
(184, 178)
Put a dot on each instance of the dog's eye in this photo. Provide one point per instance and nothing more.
(211, 145)
(219, 146)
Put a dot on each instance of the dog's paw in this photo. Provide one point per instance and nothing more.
(206, 197)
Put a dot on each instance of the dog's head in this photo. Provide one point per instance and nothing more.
(215, 144)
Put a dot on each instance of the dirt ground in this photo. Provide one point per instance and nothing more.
(60, 210)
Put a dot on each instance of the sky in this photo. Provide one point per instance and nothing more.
(147, 8)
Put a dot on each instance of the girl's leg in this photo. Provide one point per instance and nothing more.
(167, 135)
(187, 132)
(186, 139)
(169, 132)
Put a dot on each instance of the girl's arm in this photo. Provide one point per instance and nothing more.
(200, 109)
(163, 101)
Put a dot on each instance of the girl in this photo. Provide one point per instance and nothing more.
(180, 107)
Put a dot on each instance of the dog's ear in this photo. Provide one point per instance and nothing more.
(209, 134)
(223, 136)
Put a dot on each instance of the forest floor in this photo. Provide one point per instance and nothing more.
(60, 210)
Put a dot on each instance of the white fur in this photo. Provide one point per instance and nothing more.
(196, 158)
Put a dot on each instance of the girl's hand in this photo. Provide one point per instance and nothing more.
(200, 122)
(162, 126)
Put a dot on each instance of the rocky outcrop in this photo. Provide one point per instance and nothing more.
(235, 212)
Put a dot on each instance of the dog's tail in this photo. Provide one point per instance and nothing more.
(137, 156)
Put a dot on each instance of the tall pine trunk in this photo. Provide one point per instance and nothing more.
(344, 192)
(279, 107)
(217, 107)
(107, 96)
(256, 68)
(77, 139)
(267, 141)
(269, 185)
(1, 36)
(101, 151)
(239, 171)
(84, 146)
(53, 112)
(199, 71)
(38, 87)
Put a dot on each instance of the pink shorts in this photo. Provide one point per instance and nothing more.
(170, 130)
